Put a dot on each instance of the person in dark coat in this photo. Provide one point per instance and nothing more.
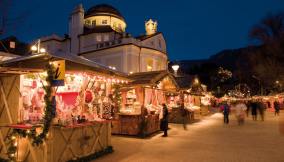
(226, 112)
(254, 110)
(165, 121)
(261, 109)
(184, 115)
(276, 107)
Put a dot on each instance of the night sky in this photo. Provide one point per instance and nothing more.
(193, 29)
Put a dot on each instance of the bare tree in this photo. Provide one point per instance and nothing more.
(270, 29)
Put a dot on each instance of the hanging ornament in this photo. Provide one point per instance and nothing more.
(88, 96)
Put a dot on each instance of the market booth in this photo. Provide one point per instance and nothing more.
(142, 101)
(194, 97)
(58, 120)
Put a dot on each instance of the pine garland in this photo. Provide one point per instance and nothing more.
(49, 114)
(117, 95)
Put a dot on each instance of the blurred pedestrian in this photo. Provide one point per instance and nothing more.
(261, 109)
(248, 105)
(165, 120)
(254, 110)
(226, 112)
(276, 105)
(184, 115)
(240, 110)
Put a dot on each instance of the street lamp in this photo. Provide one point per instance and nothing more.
(36, 48)
(175, 67)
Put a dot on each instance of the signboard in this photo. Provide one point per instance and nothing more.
(59, 73)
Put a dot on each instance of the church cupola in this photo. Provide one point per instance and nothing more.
(104, 15)
(151, 27)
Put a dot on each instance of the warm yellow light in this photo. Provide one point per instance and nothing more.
(42, 50)
(149, 68)
(277, 81)
(15, 144)
(196, 81)
(175, 67)
(13, 137)
(33, 48)
(131, 72)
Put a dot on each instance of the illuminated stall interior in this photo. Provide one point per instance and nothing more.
(86, 95)
(142, 101)
(147, 90)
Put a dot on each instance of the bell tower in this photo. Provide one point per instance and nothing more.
(151, 27)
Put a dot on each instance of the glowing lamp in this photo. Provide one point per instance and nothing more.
(42, 50)
(33, 48)
(175, 68)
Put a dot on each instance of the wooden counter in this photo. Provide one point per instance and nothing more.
(136, 125)
(67, 142)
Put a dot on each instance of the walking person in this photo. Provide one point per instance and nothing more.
(184, 115)
(276, 105)
(165, 121)
(254, 110)
(240, 110)
(261, 109)
(226, 112)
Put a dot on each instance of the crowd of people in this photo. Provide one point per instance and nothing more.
(242, 108)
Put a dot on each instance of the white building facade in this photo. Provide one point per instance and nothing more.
(99, 34)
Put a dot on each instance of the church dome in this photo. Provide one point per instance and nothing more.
(104, 15)
(103, 10)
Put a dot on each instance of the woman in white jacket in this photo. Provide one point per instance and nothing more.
(240, 110)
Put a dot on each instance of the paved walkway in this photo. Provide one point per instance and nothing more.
(206, 141)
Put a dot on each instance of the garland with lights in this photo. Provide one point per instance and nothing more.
(117, 95)
(49, 114)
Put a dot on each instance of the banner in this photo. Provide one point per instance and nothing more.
(59, 73)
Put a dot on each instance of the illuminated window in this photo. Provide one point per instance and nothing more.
(98, 38)
(94, 23)
(104, 22)
(149, 65)
(88, 22)
(159, 65)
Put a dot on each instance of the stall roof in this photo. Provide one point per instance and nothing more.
(184, 82)
(150, 78)
(37, 62)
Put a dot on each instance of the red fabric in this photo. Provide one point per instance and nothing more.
(69, 98)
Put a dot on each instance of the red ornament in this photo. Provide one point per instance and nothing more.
(88, 96)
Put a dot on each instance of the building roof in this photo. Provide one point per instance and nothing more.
(34, 63)
(143, 37)
(103, 9)
(21, 48)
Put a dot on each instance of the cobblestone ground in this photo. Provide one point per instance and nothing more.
(207, 141)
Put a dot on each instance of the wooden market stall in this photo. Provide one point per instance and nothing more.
(81, 109)
(142, 101)
(193, 95)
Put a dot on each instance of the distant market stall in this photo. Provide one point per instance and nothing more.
(47, 115)
(142, 101)
(194, 97)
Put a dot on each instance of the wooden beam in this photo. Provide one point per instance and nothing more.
(5, 102)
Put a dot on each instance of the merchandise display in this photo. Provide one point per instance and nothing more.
(83, 98)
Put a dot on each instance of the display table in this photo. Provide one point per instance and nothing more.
(66, 142)
(135, 125)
